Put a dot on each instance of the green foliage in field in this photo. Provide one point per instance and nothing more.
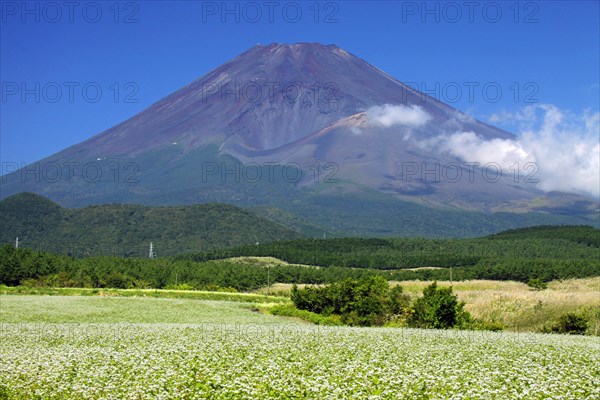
(571, 324)
(365, 302)
(289, 310)
(439, 308)
(537, 284)
(153, 293)
(371, 302)
(119, 308)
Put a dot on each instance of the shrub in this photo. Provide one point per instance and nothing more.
(571, 324)
(537, 284)
(398, 303)
(439, 308)
(364, 302)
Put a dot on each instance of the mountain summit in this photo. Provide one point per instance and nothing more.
(267, 97)
(295, 126)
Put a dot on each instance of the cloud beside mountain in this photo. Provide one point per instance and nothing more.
(390, 115)
(559, 149)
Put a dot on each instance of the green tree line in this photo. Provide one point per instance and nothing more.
(27, 267)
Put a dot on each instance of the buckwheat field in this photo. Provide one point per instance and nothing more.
(230, 352)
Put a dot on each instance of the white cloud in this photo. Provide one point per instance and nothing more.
(567, 150)
(469, 146)
(356, 130)
(565, 147)
(390, 115)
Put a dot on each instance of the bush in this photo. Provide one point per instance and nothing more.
(371, 302)
(439, 308)
(537, 284)
(571, 324)
(477, 324)
(364, 302)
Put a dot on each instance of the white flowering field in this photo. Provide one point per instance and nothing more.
(265, 357)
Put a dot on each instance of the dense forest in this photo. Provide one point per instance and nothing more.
(126, 230)
(515, 255)
(549, 244)
(114, 229)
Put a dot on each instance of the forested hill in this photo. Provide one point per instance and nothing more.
(578, 234)
(542, 245)
(127, 230)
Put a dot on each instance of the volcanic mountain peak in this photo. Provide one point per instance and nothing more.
(300, 47)
(300, 50)
(266, 97)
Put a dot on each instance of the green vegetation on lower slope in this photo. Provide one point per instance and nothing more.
(287, 219)
(38, 269)
(363, 212)
(127, 230)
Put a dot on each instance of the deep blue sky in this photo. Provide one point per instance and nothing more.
(547, 50)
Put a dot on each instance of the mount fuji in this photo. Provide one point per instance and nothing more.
(309, 133)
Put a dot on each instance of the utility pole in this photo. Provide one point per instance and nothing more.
(450, 276)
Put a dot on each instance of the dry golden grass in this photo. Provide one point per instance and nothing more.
(528, 309)
(280, 289)
(517, 306)
(264, 262)
(283, 287)
(416, 287)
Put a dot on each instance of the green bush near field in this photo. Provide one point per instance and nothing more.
(371, 302)
(364, 302)
(570, 324)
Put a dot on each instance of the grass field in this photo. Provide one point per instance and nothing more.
(154, 293)
(77, 309)
(74, 347)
